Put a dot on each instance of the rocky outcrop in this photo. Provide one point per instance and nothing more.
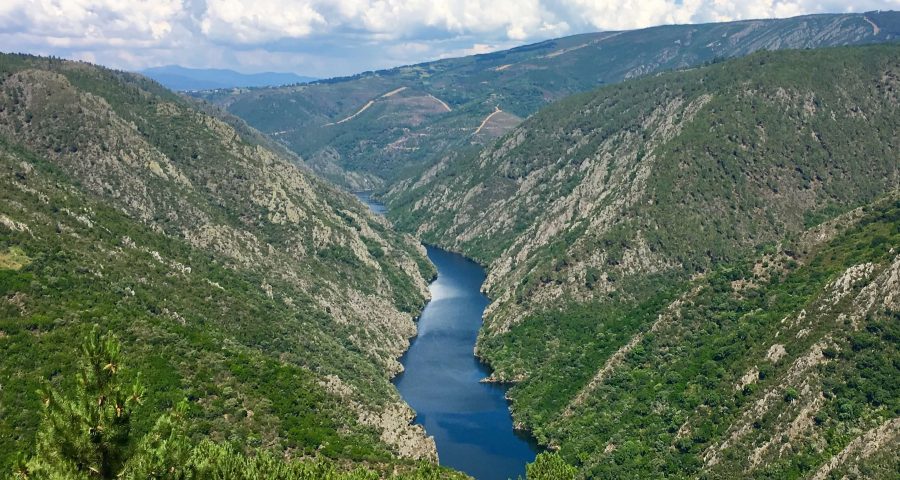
(393, 420)
(284, 266)
(354, 132)
(648, 190)
(617, 185)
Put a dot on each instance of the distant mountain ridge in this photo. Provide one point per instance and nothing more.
(180, 78)
(352, 132)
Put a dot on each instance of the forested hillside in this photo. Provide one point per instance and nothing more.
(694, 269)
(782, 366)
(380, 126)
(671, 292)
(276, 305)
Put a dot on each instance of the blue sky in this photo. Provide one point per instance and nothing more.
(326, 38)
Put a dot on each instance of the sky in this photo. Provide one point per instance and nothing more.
(325, 38)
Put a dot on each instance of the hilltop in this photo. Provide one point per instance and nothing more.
(679, 273)
(277, 305)
(378, 127)
(180, 78)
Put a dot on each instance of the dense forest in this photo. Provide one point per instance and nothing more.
(691, 237)
(87, 433)
(276, 305)
(663, 256)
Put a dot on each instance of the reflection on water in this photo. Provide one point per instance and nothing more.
(469, 420)
(366, 197)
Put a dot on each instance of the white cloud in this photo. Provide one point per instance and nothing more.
(253, 21)
(257, 21)
(343, 36)
(87, 22)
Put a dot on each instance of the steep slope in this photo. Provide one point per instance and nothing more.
(444, 102)
(609, 211)
(672, 173)
(275, 303)
(782, 367)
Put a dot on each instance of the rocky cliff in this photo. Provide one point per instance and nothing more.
(377, 126)
(277, 304)
(657, 297)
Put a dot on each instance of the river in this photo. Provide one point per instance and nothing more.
(470, 420)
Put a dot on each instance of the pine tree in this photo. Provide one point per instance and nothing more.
(87, 434)
(164, 453)
(549, 466)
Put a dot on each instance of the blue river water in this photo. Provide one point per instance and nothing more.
(470, 420)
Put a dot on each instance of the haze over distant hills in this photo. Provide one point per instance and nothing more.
(377, 127)
(182, 79)
(689, 234)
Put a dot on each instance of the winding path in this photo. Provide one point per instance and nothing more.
(875, 29)
(441, 102)
(487, 119)
(372, 102)
(351, 117)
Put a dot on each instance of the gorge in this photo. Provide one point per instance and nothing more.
(469, 419)
(671, 252)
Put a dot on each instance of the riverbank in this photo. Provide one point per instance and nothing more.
(442, 380)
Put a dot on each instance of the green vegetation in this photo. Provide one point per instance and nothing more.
(769, 167)
(662, 258)
(628, 180)
(558, 350)
(400, 135)
(275, 304)
(87, 433)
(550, 466)
(13, 259)
(674, 397)
(684, 285)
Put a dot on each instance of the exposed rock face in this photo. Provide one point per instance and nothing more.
(110, 155)
(703, 191)
(861, 448)
(372, 127)
(346, 286)
(394, 421)
(873, 294)
(617, 184)
(790, 386)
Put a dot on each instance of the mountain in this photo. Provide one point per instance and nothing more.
(693, 274)
(187, 79)
(378, 127)
(276, 304)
